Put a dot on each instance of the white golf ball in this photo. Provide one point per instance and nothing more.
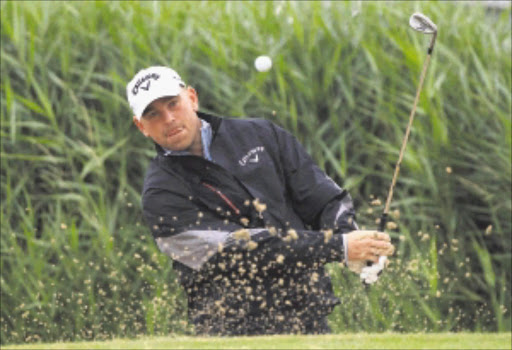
(262, 63)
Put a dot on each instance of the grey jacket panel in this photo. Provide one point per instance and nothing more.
(194, 248)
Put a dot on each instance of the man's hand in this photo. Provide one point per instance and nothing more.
(368, 245)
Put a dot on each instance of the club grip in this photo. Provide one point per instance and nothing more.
(383, 221)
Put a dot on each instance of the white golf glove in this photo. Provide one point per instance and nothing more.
(370, 274)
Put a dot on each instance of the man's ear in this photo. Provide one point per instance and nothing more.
(194, 99)
(140, 126)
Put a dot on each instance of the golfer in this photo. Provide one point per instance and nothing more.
(247, 218)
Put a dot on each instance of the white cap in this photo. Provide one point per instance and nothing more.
(150, 84)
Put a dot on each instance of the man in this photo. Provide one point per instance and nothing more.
(246, 216)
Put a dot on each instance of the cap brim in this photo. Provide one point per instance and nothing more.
(168, 91)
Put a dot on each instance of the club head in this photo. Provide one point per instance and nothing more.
(422, 23)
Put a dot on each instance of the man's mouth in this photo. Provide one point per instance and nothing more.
(174, 132)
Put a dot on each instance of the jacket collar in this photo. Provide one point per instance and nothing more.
(213, 120)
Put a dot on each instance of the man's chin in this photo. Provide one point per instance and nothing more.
(175, 148)
(175, 145)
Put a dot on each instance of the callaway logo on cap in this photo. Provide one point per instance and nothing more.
(150, 84)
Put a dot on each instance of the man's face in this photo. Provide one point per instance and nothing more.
(172, 122)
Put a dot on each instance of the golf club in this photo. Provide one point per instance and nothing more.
(423, 24)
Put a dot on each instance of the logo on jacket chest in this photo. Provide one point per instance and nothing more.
(252, 156)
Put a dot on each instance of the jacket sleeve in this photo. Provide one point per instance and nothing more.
(318, 200)
(195, 237)
(181, 229)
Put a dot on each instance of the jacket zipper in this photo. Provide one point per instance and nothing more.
(221, 195)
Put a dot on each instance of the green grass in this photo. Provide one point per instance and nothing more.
(78, 263)
(340, 341)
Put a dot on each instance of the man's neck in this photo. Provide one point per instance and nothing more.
(197, 147)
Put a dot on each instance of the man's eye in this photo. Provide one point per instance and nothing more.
(151, 115)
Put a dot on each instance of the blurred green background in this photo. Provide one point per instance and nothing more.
(77, 261)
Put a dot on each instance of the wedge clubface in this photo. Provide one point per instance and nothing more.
(423, 24)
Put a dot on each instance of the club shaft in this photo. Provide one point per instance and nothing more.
(404, 142)
(384, 217)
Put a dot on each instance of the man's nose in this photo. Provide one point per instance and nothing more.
(169, 117)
